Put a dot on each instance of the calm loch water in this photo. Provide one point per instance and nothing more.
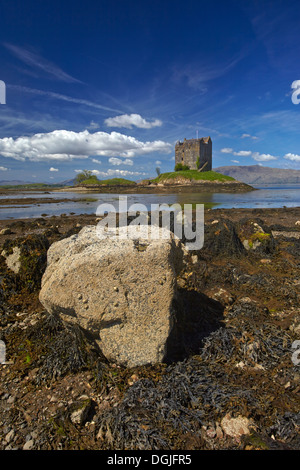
(79, 203)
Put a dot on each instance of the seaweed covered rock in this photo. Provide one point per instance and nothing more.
(26, 257)
(22, 264)
(122, 290)
(255, 236)
(221, 238)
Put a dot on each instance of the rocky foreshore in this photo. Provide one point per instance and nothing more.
(171, 186)
(234, 382)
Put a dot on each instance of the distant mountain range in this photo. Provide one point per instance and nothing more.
(22, 183)
(13, 182)
(256, 174)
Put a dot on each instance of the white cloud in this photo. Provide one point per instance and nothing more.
(292, 156)
(158, 162)
(3, 168)
(53, 169)
(129, 120)
(117, 161)
(115, 172)
(94, 160)
(262, 157)
(227, 150)
(235, 161)
(69, 145)
(243, 153)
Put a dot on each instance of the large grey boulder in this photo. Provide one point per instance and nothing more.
(121, 290)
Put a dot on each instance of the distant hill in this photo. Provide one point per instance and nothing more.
(68, 182)
(256, 174)
(13, 182)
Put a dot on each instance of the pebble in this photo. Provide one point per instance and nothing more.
(5, 231)
(28, 445)
(9, 436)
(11, 399)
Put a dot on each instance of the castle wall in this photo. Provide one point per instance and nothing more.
(187, 153)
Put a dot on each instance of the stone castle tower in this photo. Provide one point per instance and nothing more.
(190, 151)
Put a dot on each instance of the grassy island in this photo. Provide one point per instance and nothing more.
(192, 175)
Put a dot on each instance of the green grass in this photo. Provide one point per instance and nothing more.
(193, 175)
(110, 182)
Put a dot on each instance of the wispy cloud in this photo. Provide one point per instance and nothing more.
(36, 61)
(249, 136)
(59, 96)
(196, 75)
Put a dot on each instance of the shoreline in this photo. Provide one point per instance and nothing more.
(285, 216)
(160, 188)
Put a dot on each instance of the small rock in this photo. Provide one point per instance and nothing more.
(219, 432)
(133, 379)
(211, 432)
(194, 259)
(28, 445)
(5, 231)
(79, 415)
(235, 427)
(9, 436)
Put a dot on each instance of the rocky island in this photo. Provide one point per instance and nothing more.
(171, 182)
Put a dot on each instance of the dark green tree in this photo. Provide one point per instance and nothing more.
(84, 175)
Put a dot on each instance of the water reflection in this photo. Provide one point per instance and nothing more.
(87, 203)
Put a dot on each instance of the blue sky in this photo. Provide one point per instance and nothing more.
(111, 85)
